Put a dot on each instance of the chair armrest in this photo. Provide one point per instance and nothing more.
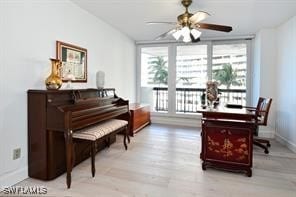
(252, 109)
(248, 107)
(261, 111)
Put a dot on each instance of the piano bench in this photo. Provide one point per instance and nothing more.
(101, 130)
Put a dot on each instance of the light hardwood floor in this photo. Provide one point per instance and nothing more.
(164, 161)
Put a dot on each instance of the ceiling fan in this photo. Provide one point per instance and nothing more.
(188, 24)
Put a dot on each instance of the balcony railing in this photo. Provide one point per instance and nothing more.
(188, 100)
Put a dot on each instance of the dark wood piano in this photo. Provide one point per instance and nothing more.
(53, 115)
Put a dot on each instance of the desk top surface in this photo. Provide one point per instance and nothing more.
(224, 111)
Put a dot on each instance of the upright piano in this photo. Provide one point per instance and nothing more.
(53, 115)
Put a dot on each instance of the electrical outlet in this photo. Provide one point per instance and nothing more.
(16, 153)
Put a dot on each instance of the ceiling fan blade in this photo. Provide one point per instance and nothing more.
(160, 23)
(214, 27)
(165, 34)
(199, 16)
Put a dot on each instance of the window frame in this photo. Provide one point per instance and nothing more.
(172, 54)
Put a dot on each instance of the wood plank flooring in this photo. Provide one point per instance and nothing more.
(164, 161)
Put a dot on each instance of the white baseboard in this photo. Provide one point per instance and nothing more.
(265, 132)
(12, 178)
(189, 122)
(285, 142)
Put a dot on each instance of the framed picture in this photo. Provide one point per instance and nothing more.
(74, 62)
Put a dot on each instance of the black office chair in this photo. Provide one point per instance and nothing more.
(261, 111)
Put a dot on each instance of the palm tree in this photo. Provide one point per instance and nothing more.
(160, 70)
(226, 76)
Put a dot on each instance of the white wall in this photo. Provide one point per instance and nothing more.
(286, 83)
(264, 74)
(28, 33)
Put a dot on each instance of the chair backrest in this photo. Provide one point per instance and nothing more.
(262, 110)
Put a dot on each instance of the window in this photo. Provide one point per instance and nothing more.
(154, 77)
(173, 76)
(229, 68)
(191, 76)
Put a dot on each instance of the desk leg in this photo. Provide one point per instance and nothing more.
(68, 143)
(203, 165)
(249, 172)
(201, 144)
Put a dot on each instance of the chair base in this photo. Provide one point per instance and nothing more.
(262, 143)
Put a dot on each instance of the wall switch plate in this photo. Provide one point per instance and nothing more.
(16, 153)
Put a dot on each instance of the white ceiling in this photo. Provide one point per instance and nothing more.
(245, 16)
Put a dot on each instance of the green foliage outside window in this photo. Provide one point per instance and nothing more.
(158, 67)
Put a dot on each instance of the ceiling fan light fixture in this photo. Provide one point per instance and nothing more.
(177, 34)
(187, 38)
(196, 34)
(185, 31)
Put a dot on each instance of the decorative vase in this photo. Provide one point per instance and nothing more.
(54, 81)
(212, 93)
(69, 77)
(100, 75)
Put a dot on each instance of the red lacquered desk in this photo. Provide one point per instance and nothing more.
(227, 138)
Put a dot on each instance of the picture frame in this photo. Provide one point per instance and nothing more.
(73, 62)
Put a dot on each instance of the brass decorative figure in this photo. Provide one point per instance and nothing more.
(212, 93)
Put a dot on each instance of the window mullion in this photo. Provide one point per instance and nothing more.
(172, 79)
(210, 62)
(138, 74)
(248, 76)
